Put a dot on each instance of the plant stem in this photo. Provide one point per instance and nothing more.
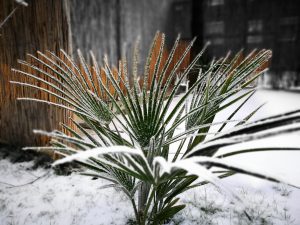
(148, 203)
(9, 16)
(135, 211)
(142, 201)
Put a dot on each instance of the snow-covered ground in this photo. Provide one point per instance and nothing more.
(80, 200)
(57, 200)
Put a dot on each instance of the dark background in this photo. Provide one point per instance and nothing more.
(230, 25)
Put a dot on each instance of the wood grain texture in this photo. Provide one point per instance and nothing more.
(43, 25)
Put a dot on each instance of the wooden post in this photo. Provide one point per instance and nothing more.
(42, 25)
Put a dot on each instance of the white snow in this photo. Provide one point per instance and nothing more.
(57, 200)
(77, 199)
(84, 155)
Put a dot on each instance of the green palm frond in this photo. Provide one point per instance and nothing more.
(134, 120)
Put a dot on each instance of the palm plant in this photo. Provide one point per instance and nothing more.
(133, 132)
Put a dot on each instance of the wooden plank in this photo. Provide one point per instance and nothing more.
(41, 26)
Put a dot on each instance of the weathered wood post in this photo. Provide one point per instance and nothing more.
(42, 25)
